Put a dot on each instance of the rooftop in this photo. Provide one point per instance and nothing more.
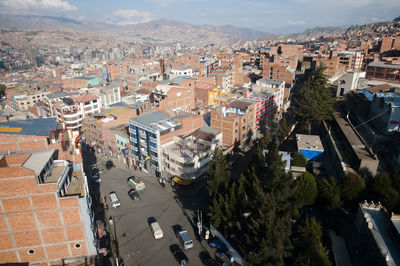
(156, 120)
(239, 104)
(309, 142)
(38, 160)
(269, 82)
(383, 64)
(38, 127)
(355, 142)
(381, 234)
(206, 133)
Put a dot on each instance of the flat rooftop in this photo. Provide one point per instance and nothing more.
(35, 127)
(76, 187)
(157, 121)
(355, 142)
(309, 142)
(382, 237)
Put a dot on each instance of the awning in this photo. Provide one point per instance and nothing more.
(181, 181)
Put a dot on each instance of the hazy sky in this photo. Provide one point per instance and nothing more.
(267, 15)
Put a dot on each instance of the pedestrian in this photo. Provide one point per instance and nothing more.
(135, 167)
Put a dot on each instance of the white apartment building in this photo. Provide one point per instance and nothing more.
(72, 110)
(187, 157)
(176, 72)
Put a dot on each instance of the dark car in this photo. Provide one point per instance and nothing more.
(134, 194)
(178, 254)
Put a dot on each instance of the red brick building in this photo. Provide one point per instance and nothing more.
(41, 218)
(236, 121)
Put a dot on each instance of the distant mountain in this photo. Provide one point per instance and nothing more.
(308, 33)
(31, 22)
(156, 30)
(397, 19)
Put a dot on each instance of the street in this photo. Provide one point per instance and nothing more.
(136, 243)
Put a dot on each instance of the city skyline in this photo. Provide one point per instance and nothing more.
(276, 17)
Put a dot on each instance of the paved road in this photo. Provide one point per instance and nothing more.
(137, 245)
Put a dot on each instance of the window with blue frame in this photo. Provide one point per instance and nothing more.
(152, 144)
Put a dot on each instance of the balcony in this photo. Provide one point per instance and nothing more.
(153, 149)
(70, 113)
(143, 143)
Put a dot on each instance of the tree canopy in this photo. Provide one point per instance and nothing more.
(299, 159)
(314, 102)
(352, 187)
(306, 191)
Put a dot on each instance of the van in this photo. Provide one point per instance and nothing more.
(156, 229)
(114, 199)
(187, 242)
(136, 184)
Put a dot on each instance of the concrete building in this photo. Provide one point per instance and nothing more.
(378, 232)
(24, 101)
(187, 157)
(352, 152)
(351, 60)
(151, 130)
(383, 71)
(385, 108)
(178, 72)
(348, 82)
(71, 111)
(96, 128)
(273, 87)
(310, 146)
(108, 95)
(45, 215)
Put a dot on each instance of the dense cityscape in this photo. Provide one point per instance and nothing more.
(165, 143)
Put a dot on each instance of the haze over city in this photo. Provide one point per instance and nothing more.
(270, 16)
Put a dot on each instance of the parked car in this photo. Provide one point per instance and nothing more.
(187, 242)
(114, 199)
(178, 254)
(134, 194)
(137, 184)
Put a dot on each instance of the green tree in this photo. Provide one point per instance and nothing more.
(329, 192)
(236, 147)
(352, 187)
(383, 190)
(312, 252)
(306, 191)
(299, 160)
(283, 129)
(3, 89)
(314, 102)
(312, 230)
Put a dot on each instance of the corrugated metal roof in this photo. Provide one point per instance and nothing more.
(38, 127)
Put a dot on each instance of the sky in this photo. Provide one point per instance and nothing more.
(275, 16)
